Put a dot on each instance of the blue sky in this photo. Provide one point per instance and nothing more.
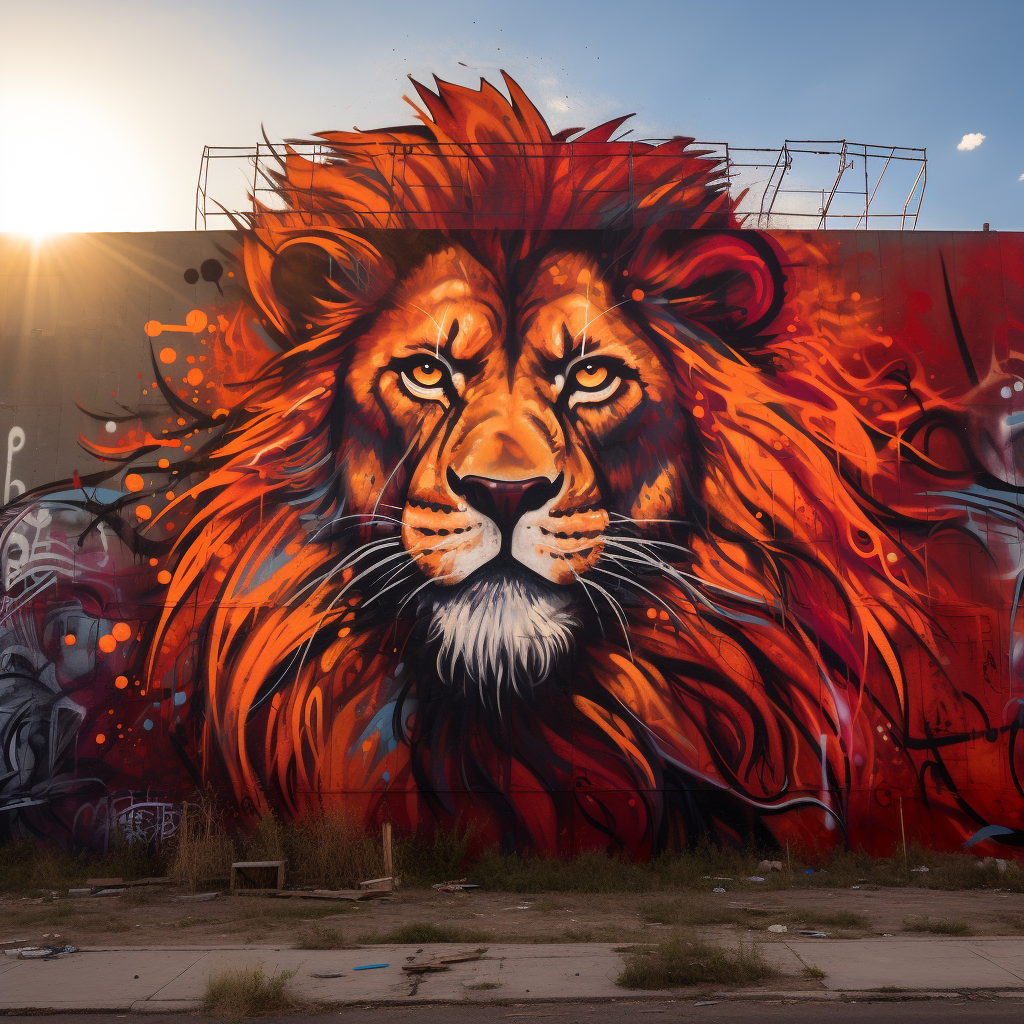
(105, 105)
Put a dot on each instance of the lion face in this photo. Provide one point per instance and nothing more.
(527, 423)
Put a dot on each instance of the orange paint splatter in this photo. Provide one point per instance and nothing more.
(163, 576)
(698, 411)
(121, 682)
(100, 738)
(70, 639)
(164, 463)
(195, 376)
(107, 643)
(134, 482)
(121, 631)
(143, 512)
(168, 355)
(154, 561)
(652, 613)
(637, 294)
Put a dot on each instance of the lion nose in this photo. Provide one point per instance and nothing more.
(504, 502)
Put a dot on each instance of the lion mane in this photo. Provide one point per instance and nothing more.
(781, 636)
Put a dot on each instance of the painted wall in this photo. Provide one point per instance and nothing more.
(547, 498)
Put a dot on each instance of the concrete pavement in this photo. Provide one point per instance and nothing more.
(161, 979)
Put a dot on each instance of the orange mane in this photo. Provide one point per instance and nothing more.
(800, 621)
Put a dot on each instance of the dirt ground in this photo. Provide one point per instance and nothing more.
(155, 916)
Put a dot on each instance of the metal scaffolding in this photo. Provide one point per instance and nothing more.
(804, 184)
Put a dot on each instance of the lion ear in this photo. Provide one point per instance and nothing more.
(724, 282)
(314, 286)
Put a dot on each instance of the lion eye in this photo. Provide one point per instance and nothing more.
(594, 380)
(427, 374)
(590, 376)
(426, 377)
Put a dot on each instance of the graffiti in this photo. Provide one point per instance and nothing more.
(15, 442)
(508, 477)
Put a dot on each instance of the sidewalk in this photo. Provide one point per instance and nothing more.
(174, 978)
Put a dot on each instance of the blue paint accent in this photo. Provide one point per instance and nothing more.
(380, 723)
(179, 699)
(147, 724)
(988, 832)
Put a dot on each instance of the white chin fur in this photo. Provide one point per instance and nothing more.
(500, 633)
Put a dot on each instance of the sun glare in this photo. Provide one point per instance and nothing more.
(59, 170)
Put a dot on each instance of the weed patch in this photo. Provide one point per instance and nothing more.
(937, 927)
(203, 850)
(248, 993)
(683, 960)
(323, 938)
(424, 932)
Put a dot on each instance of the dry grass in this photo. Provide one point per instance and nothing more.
(937, 927)
(319, 937)
(422, 932)
(248, 993)
(326, 851)
(682, 960)
(203, 850)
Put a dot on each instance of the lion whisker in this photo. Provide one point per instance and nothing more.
(364, 519)
(398, 465)
(669, 570)
(647, 541)
(579, 580)
(370, 548)
(434, 579)
(615, 607)
(629, 582)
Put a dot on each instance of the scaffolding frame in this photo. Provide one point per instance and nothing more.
(781, 204)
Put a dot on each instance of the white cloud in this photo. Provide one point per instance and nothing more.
(972, 140)
(1021, 178)
(560, 105)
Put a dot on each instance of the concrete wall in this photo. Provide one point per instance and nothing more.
(423, 525)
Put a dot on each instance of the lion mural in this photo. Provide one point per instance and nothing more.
(555, 511)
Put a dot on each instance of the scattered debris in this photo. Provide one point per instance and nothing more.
(458, 885)
(442, 963)
(808, 934)
(769, 865)
(718, 888)
(854, 886)
(779, 929)
(384, 884)
(713, 1002)
(109, 892)
(755, 878)
(370, 967)
(326, 894)
(721, 878)
(39, 952)
(199, 897)
(79, 892)
(1001, 864)
(8, 943)
(107, 883)
(328, 974)
(921, 870)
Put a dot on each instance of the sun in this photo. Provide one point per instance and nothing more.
(55, 176)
